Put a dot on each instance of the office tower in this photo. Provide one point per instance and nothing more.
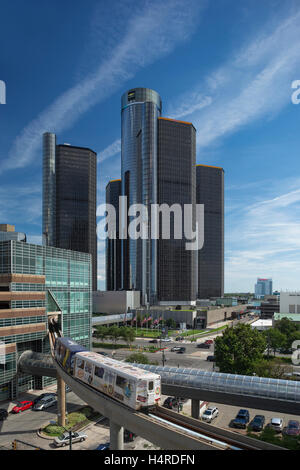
(7, 232)
(36, 281)
(176, 267)
(263, 287)
(69, 198)
(141, 108)
(210, 192)
(49, 193)
(113, 245)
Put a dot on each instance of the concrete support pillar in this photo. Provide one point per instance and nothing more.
(61, 401)
(116, 436)
(195, 408)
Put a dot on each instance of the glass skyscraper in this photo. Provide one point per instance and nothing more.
(141, 108)
(113, 263)
(263, 287)
(69, 198)
(176, 266)
(210, 192)
(36, 281)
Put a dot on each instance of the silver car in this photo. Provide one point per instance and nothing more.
(44, 403)
(64, 439)
(210, 414)
(276, 424)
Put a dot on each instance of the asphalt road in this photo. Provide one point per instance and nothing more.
(193, 357)
(17, 426)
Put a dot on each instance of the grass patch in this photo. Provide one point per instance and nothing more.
(144, 333)
(74, 421)
(192, 332)
(278, 359)
(270, 436)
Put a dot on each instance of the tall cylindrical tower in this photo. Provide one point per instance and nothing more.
(141, 108)
(49, 189)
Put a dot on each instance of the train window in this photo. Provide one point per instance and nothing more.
(121, 382)
(150, 386)
(88, 367)
(80, 363)
(99, 372)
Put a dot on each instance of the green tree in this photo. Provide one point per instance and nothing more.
(101, 332)
(286, 326)
(275, 339)
(114, 333)
(272, 369)
(171, 323)
(128, 334)
(139, 358)
(238, 350)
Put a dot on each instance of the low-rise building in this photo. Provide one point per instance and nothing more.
(115, 302)
(290, 302)
(262, 325)
(294, 317)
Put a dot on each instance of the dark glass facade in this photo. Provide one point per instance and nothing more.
(140, 109)
(210, 192)
(176, 266)
(69, 204)
(113, 246)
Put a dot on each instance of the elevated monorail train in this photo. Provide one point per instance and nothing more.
(134, 387)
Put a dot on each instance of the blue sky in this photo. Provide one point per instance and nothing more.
(226, 66)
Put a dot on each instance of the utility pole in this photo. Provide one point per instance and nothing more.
(163, 358)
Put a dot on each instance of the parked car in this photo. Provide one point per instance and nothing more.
(22, 406)
(166, 340)
(179, 338)
(293, 428)
(103, 446)
(172, 402)
(44, 395)
(153, 341)
(44, 403)
(3, 414)
(181, 350)
(210, 413)
(258, 422)
(242, 419)
(103, 353)
(175, 348)
(64, 439)
(276, 424)
(129, 436)
(285, 350)
(209, 341)
(203, 346)
(210, 358)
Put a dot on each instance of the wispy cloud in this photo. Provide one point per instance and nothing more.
(255, 83)
(148, 35)
(110, 151)
(20, 204)
(264, 240)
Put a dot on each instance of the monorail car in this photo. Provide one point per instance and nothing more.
(65, 350)
(134, 387)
